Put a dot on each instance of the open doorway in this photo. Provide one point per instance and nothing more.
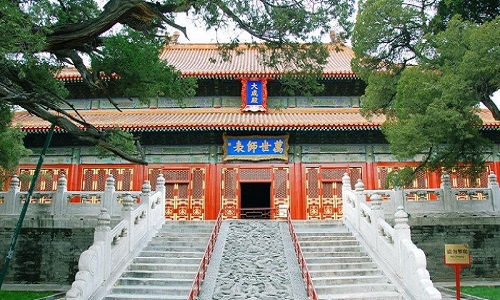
(255, 200)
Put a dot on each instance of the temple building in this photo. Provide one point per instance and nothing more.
(240, 143)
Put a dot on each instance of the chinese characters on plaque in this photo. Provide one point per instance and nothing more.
(255, 147)
(456, 254)
(254, 95)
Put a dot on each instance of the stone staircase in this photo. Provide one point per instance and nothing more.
(339, 266)
(166, 267)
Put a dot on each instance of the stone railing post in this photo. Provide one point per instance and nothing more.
(60, 201)
(359, 189)
(160, 187)
(399, 200)
(401, 232)
(103, 234)
(12, 204)
(146, 198)
(346, 182)
(495, 190)
(376, 213)
(449, 202)
(109, 192)
(127, 215)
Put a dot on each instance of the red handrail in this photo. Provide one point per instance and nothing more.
(311, 291)
(202, 269)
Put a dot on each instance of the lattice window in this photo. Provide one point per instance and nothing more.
(255, 174)
(229, 199)
(280, 183)
(127, 180)
(459, 180)
(421, 180)
(169, 191)
(332, 174)
(183, 190)
(198, 184)
(229, 183)
(382, 177)
(87, 180)
(47, 179)
(355, 174)
(328, 190)
(312, 183)
(94, 179)
(102, 175)
(176, 175)
(153, 176)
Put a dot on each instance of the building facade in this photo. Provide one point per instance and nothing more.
(240, 143)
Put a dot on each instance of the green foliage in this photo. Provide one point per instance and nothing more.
(11, 150)
(16, 295)
(485, 292)
(118, 138)
(11, 143)
(428, 83)
(134, 56)
(17, 38)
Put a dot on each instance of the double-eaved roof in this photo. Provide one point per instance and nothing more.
(198, 60)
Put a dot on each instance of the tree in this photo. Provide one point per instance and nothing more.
(429, 65)
(41, 37)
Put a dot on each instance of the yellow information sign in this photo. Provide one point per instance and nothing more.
(456, 254)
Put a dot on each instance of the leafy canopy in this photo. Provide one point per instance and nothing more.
(41, 37)
(429, 65)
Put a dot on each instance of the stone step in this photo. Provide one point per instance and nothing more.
(309, 254)
(343, 273)
(144, 297)
(163, 267)
(166, 267)
(172, 274)
(167, 260)
(328, 243)
(367, 288)
(154, 281)
(333, 249)
(178, 239)
(338, 259)
(305, 238)
(349, 280)
(153, 290)
(304, 232)
(341, 266)
(171, 254)
(363, 296)
(176, 248)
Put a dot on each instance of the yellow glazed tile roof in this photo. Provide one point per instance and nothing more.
(193, 119)
(198, 60)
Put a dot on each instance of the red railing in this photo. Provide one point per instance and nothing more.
(311, 292)
(258, 213)
(202, 269)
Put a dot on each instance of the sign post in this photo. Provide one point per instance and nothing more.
(457, 256)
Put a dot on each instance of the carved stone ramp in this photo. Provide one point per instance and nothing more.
(166, 267)
(253, 259)
(339, 267)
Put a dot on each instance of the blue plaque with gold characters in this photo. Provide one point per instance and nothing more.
(255, 147)
(254, 95)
